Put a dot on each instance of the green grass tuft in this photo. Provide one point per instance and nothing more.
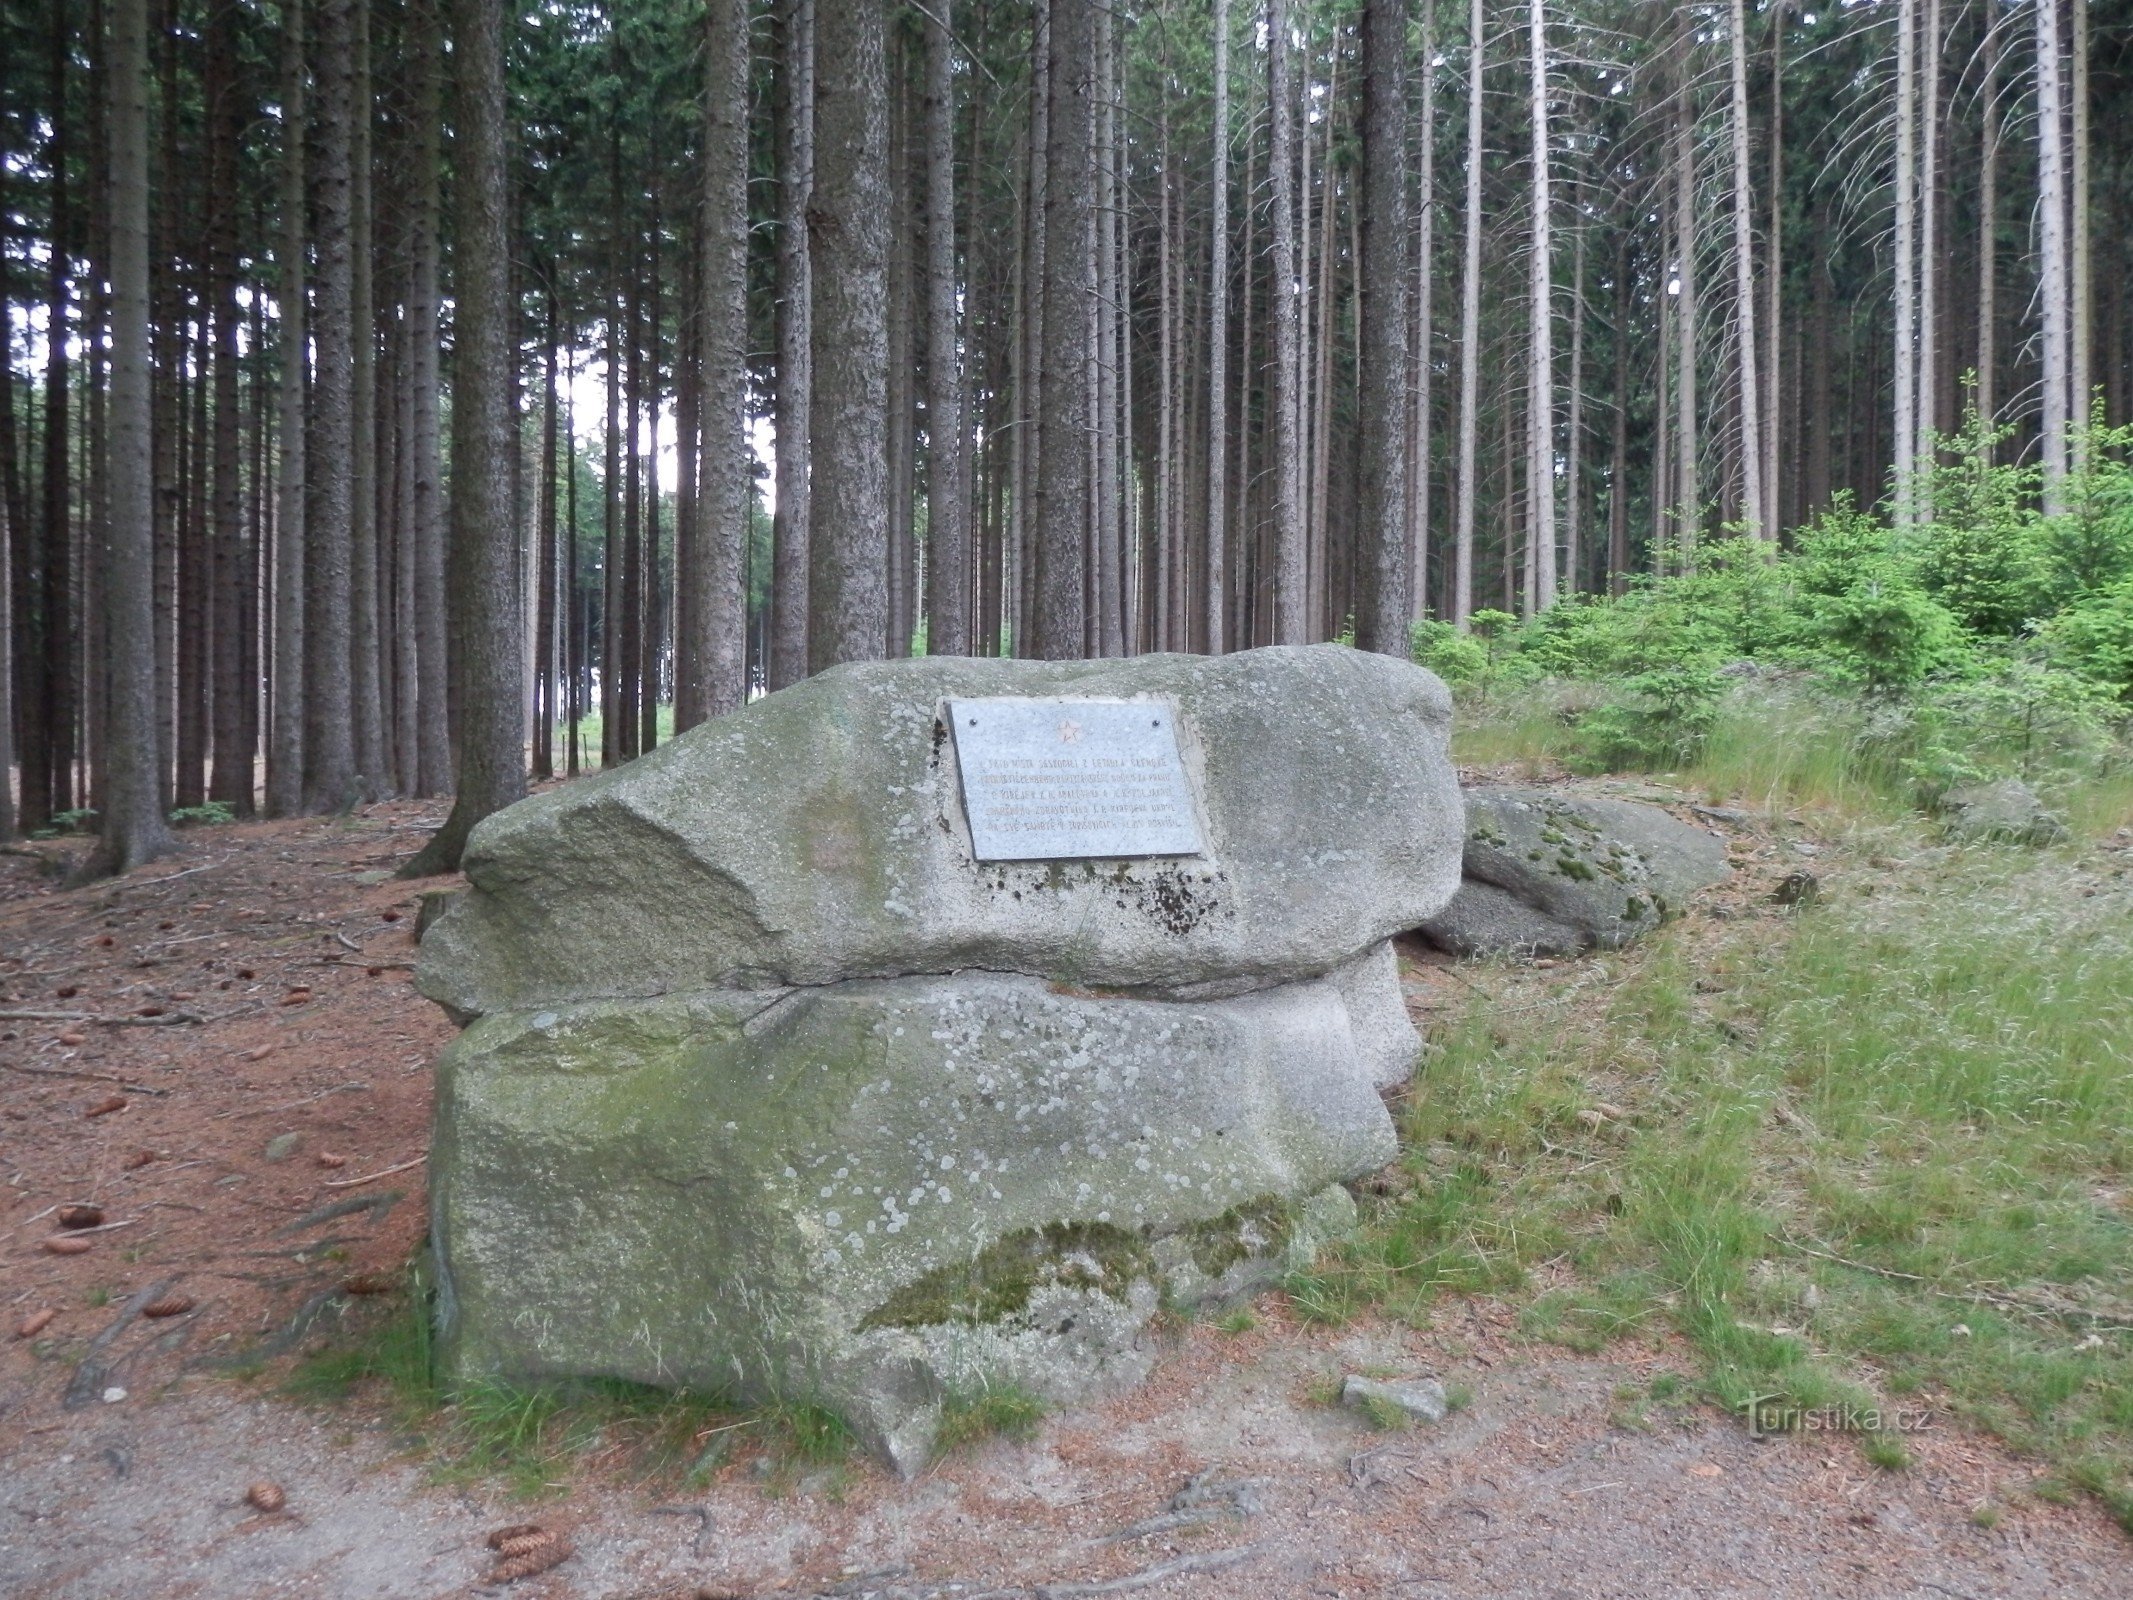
(1003, 1412)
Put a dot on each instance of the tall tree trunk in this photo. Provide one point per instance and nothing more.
(1284, 385)
(651, 609)
(848, 239)
(544, 625)
(1218, 344)
(425, 458)
(713, 662)
(1382, 551)
(795, 134)
(947, 478)
(1754, 511)
(131, 822)
(1774, 370)
(1688, 505)
(1106, 587)
(1618, 467)
(1820, 398)
(285, 746)
(1540, 392)
(488, 631)
(902, 386)
(1664, 487)
(1929, 205)
(12, 535)
(57, 692)
(1571, 578)
(1988, 220)
(365, 684)
(2054, 286)
(1020, 605)
(231, 783)
(1420, 416)
(1469, 332)
(1063, 486)
(2081, 312)
(329, 743)
(1321, 366)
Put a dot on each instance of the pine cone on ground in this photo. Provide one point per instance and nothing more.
(545, 1550)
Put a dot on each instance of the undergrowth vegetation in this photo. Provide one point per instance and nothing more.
(1985, 639)
(1874, 1154)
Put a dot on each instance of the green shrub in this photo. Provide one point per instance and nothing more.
(1458, 658)
(2095, 638)
(1884, 633)
(1657, 721)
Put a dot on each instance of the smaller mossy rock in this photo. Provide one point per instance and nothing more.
(1551, 874)
(1483, 920)
(876, 1193)
(2007, 810)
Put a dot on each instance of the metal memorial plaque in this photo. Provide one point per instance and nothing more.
(1047, 780)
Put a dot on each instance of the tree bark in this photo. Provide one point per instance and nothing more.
(1905, 313)
(1571, 578)
(848, 258)
(285, 747)
(947, 482)
(712, 661)
(795, 114)
(366, 698)
(1688, 487)
(330, 776)
(488, 635)
(1988, 223)
(1218, 343)
(1420, 415)
(1618, 469)
(1469, 332)
(1382, 551)
(2081, 311)
(1540, 393)
(1929, 204)
(131, 822)
(2054, 287)
(425, 459)
(1754, 512)
(1284, 385)
(231, 781)
(1774, 369)
(905, 207)
(1063, 484)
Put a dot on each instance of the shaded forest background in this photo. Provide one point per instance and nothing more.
(821, 330)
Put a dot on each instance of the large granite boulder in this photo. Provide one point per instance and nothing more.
(1551, 874)
(774, 1090)
(819, 835)
(880, 1190)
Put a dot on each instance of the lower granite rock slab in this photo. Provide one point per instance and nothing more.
(877, 1194)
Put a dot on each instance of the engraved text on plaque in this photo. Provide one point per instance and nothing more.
(1071, 779)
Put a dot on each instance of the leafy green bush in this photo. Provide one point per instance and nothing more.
(210, 813)
(1657, 720)
(1458, 658)
(2095, 638)
(1884, 633)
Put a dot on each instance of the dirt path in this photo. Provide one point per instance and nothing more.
(290, 946)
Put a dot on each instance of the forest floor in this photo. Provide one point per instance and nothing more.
(240, 1082)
